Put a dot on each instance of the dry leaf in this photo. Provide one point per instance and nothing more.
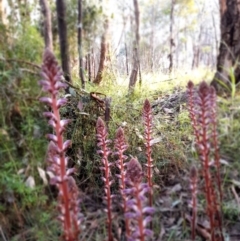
(156, 140)
(175, 188)
(50, 174)
(224, 162)
(236, 183)
(80, 105)
(168, 111)
(30, 182)
(43, 176)
(21, 171)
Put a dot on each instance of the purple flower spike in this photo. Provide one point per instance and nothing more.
(105, 151)
(148, 119)
(68, 201)
(121, 147)
(138, 212)
(202, 111)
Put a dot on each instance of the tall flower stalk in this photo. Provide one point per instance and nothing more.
(68, 202)
(105, 151)
(202, 109)
(147, 117)
(139, 212)
(121, 147)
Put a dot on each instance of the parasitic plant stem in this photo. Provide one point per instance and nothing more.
(138, 212)
(104, 151)
(147, 116)
(68, 201)
(121, 147)
(202, 109)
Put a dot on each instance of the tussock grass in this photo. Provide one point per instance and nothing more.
(126, 111)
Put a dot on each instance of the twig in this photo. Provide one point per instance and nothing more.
(3, 236)
(22, 61)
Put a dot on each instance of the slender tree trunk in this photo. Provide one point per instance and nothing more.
(81, 74)
(135, 67)
(89, 67)
(3, 15)
(86, 64)
(229, 52)
(172, 44)
(139, 74)
(126, 56)
(47, 24)
(215, 34)
(62, 31)
(103, 53)
(93, 64)
(196, 50)
(152, 48)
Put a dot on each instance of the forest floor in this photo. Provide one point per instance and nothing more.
(173, 154)
(28, 214)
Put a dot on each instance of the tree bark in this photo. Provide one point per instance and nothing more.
(172, 44)
(62, 31)
(89, 67)
(126, 58)
(3, 15)
(215, 34)
(133, 76)
(47, 24)
(229, 52)
(196, 50)
(93, 64)
(81, 74)
(103, 53)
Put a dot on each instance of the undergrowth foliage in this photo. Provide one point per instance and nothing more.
(135, 183)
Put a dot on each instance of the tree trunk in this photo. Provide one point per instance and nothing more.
(172, 44)
(126, 58)
(81, 74)
(89, 67)
(215, 34)
(229, 52)
(103, 53)
(93, 64)
(196, 50)
(3, 15)
(47, 24)
(62, 31)
(133, 76)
